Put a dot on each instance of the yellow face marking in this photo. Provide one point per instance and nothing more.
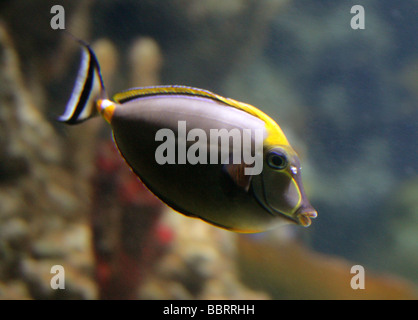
(296, 186)
(299, 197)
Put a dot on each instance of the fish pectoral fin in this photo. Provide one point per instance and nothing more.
(237, 174)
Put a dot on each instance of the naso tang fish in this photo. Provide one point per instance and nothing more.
(221, 193)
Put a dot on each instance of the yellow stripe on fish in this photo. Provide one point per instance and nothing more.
(276, 134)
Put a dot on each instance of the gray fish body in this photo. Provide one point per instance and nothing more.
(199, 190)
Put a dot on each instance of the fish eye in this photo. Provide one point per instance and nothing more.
(276, 160)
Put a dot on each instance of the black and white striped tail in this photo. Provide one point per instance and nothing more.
(87, 90)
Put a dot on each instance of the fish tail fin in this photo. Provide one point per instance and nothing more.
(88, 89)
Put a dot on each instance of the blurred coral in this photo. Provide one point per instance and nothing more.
(41, 218)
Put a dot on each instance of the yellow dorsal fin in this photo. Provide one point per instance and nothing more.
(275, 133)
(276, 136)
(136, 93)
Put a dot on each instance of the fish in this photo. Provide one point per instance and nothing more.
(158, 129)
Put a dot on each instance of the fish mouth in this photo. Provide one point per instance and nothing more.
(301, 216)
(304, 215)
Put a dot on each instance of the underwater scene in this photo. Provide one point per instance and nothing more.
(95, 94)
